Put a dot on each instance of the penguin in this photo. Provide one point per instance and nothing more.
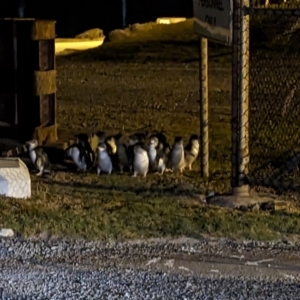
(161, 137)
(111, 145)
(140, 160)
(162, 158)
(113, 151)
(152, 151)
(137, 137)
(123, 161)
(38, 157)
(177, 160)
(80, 156)
(94, 141)
(133, 139)
(84, 141)
(191, 151)
(101, 137)
(104, 160)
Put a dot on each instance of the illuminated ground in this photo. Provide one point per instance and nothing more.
(148, 86)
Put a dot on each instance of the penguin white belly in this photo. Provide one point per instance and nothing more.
(141, 163)
(189, 158)
(32, 155)
(80, 164)
(177, 159)
(105, 163)
(152, 154)
(161, 165)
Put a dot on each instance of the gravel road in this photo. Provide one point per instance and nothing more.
(153, 269)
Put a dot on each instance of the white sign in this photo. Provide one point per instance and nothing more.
(213, 20)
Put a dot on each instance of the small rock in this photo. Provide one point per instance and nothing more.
(94, 33)
(119, 34)
(142, 27)
(6, 232)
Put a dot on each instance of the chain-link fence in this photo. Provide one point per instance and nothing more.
(274, 96)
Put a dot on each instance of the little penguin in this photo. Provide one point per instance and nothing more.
(84, 141)
(161, 137)
(38, 157)
(152, 151)
(80, 156)
(104, 160)
(94, 141)
(191, 151)
(177, 160)
(162, 158)
(101, 136)
(138, 137)
(140, 161)
(111, 145)
(133, 139)
(112, 150)
(123, 161)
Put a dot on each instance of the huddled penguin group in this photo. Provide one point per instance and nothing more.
(140, 154)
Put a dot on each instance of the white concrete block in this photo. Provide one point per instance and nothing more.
(15, 179)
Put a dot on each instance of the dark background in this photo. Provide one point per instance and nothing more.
(75, 16)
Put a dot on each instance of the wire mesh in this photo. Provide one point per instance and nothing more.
(274, 124)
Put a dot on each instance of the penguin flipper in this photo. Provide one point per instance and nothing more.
(82, 153)
(188, 147)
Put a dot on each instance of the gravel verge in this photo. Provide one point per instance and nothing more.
(153, 269)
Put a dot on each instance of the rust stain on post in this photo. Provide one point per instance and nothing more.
(204, 137)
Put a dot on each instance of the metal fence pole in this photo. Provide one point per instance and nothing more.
(240, 96)
(235, 91)
(204, 138)
(124, 13)
(244, 106)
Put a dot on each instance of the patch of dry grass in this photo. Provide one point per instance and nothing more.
(121, 207)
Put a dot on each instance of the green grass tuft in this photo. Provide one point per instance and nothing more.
(119, 207)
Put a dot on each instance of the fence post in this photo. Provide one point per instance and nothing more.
(240, 97)
(124, 13)
(204, 138)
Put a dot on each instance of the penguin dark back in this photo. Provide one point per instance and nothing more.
(161, 136)
(178, 140)
(194, 137)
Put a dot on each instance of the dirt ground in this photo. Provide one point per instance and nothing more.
(136, 97)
